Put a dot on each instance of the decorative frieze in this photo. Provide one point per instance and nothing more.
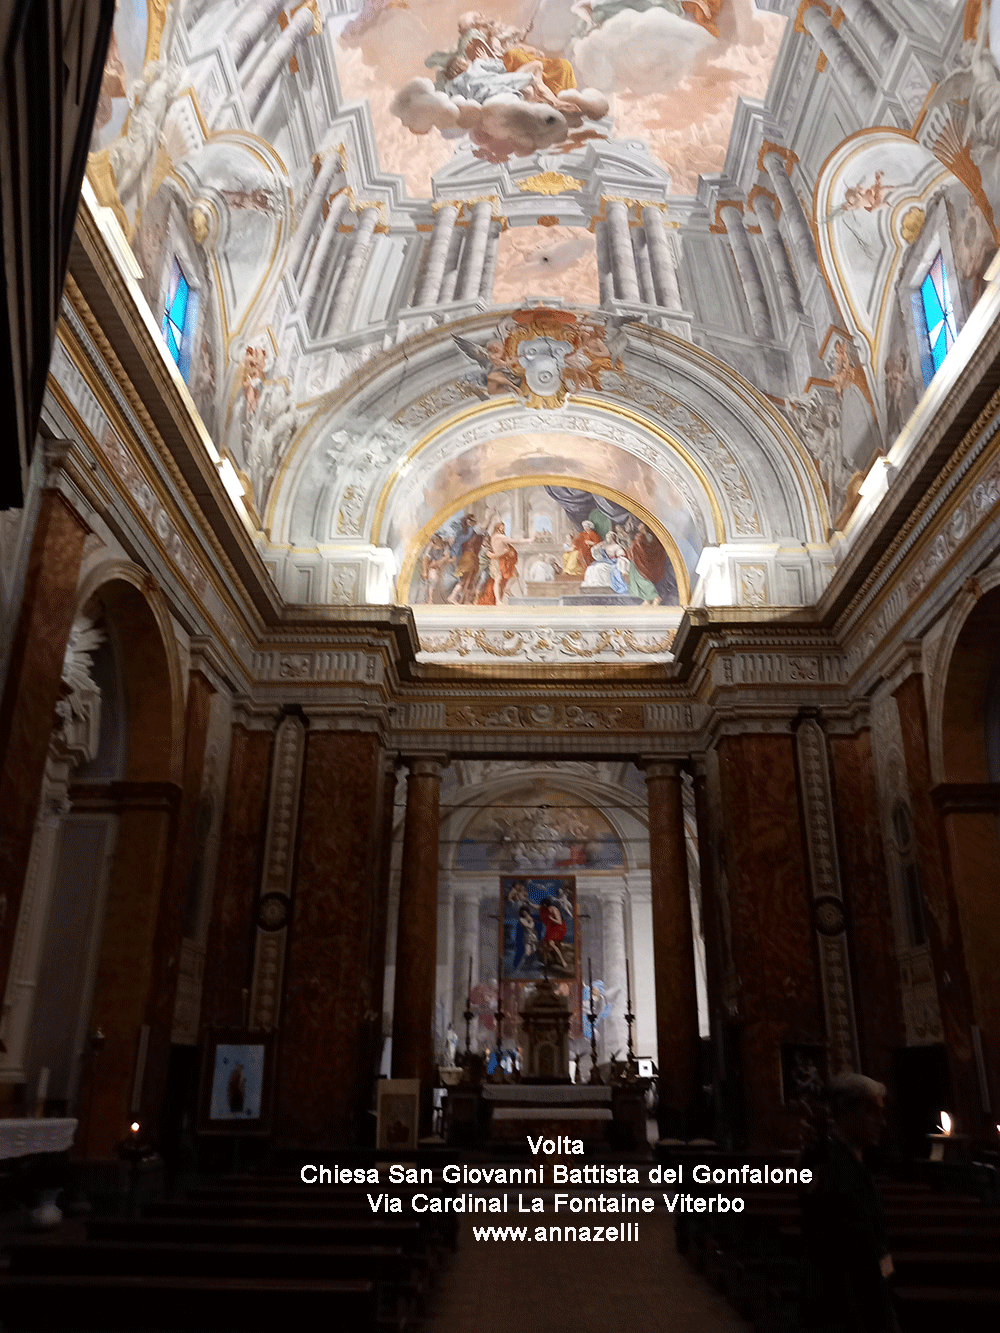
(171, 543)
(544, 717)
(546, 645)
(353, 666)
(778, 668)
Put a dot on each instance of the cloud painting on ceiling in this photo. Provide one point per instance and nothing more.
(544, 830)
(544, 546)
(551, 75)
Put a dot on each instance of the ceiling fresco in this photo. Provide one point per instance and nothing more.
(421, 267)
(516, 78)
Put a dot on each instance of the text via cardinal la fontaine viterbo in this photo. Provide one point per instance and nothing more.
(499, 1188)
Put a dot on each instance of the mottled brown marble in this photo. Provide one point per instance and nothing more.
(27, 710)
(773, 938)
(331, 1012)
(170, 924)
(231, 932)
(127, 964)
(710, 924)
(941, 909)
(673, 951)
(975, 858)
(416, 937)
(875, 972)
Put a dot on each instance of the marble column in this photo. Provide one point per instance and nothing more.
(451, 268)
(673, 946)
(302, 24)
(778, 998)
(470, 274)
(126, 998)
(644, 270)
(229, 948)
(746, 264)
(416, 935)
(33, 687)
(662, 259)
(881, 1026)
(19, 1002)
(332, 1006)
(314, 283)
(247, 31)
(872, 27)
(357, 262)
(788, 288)
(429, 288)
(170, 921)
(793, 216)
(615, 1027)
(711, 923)
(842, 60)
(622, 255)
(466, 949)
(605, 273)
(490, 263)
(328, 172)
(942, 918)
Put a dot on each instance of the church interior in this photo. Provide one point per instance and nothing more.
(498, 527)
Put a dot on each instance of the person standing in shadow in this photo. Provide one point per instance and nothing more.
(845, 1253)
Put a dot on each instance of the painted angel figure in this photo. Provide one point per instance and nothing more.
(498, 374)
(976, 80)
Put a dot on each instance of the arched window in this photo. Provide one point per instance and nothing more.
(934, 315)
(180, 318)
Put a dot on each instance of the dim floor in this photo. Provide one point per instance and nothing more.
(492, 1287)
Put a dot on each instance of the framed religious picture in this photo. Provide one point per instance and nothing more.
(397, 1113)
(237, 1082)
(540, 936)
(803, 1071)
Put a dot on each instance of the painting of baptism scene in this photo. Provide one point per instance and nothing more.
(539, 928)
(544, 546)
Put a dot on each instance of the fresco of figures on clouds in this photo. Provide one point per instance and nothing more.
(523, 76)
(544, 546)
(549, 831)
(122, 70)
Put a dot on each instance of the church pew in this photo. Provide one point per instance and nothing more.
(402, 1278)
(101, 1302)
(407, 1235)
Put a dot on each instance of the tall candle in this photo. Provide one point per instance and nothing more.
(628, 984)
(469, 992)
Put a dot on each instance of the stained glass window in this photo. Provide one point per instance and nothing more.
(180, 316)
(935, 316)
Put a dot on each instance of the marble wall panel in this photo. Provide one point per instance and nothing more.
(27, 711)
(773, 938)
(331, 1015)
(229, 950)
(941, 909)
(865, 885)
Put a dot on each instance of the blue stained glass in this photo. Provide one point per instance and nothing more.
(935, 318)
(180, 317)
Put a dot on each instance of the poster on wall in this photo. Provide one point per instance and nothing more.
(539, 936)
(236, 1082)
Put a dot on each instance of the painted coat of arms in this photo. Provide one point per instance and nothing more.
(541, 354)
